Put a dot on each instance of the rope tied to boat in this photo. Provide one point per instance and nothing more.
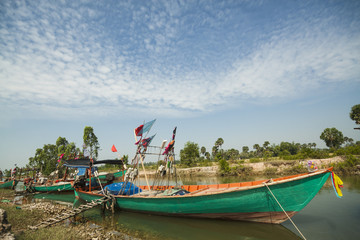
(284, 210)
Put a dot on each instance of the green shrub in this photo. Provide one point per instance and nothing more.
(205, 163)
(241, 171)
(353, 150)
(224, 167)
(279, 163)
(270, 171)
(295, 170)
(255, 160)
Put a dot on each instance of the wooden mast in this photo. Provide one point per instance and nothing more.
(142, 163)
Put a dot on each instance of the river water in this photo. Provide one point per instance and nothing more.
(325, 217)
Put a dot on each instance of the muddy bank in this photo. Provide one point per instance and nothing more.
(5, 226)
(16, 220)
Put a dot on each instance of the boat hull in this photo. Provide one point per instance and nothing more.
(10, 184)
(53, 188)
(254, 203)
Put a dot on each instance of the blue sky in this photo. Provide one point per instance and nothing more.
(246, 71)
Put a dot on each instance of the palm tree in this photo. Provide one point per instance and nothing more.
(203, 150)
(257, 148)
(245, 149)
(266, 145)
(219, 142)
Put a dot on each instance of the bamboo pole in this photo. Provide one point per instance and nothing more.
(142, 163)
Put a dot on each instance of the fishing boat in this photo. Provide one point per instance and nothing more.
(266, 201)
(9, 184)
(247, 201)
(82, 165)
(50, 187)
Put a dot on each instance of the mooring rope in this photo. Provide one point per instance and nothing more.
(284, 211)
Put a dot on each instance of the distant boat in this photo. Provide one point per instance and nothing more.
(9, 184)
(247, 201)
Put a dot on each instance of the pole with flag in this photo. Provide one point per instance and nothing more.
(139, 132)
(113, 149)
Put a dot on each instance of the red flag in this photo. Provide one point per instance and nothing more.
(113, 148)
(139, 130)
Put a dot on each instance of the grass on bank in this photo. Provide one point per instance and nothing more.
(236, 167)
(21, 219)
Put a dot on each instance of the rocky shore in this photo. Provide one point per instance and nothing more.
(76, 226)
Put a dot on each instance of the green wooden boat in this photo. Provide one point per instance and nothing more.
(62, 186)
(77, 163)
(9, 184)
(66, 186)
(246, 201)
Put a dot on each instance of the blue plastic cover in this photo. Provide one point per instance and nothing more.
(82, 170)
(128, 189)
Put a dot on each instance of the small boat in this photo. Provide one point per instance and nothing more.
(9, 184)
(247, 201)
(68, 185)
(266, 201)
(53, 187)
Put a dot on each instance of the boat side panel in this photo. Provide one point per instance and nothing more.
(8, 184)
(293, 196)
(65, 187)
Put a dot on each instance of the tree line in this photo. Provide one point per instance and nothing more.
(48, 158)
(193, 155)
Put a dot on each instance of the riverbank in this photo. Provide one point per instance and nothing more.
(18, 217)
(263, 167)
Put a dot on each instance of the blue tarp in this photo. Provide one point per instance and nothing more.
(82, 170)
(129, 188)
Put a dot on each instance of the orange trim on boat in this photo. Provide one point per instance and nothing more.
(193, 188)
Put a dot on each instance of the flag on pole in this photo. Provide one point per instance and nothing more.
(61, 156)
(113, 148)
(337, 184)
(146, 142)
(169, 147)
(171, 144)
(144, 128)
(174, 133)
(140, 130)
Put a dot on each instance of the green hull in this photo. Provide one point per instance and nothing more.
(248, 203)
(54, 188)
(67, 186)
(9, 184)
(116, 175)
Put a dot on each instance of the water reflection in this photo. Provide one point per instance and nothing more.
(160, 227)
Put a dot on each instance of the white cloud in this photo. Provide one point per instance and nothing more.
(52, 60)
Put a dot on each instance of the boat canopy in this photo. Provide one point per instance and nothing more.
(85, 162)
